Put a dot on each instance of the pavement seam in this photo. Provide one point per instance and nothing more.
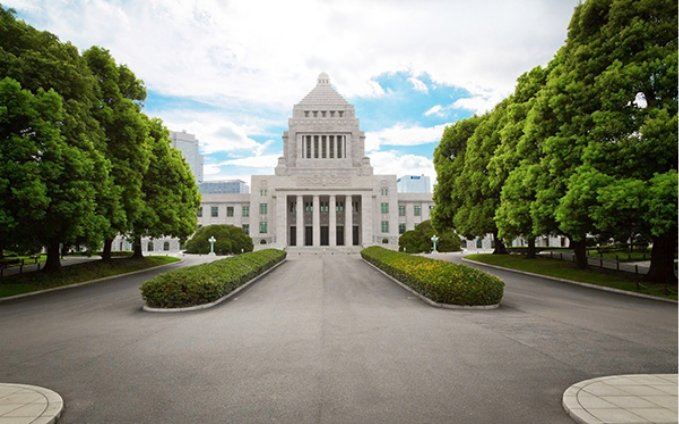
(146, 308)
(431, 302)
(84, 283)
(577, 283)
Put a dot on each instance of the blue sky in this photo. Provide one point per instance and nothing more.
(230, 73)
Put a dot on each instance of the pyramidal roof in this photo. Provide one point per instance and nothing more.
(323, 94)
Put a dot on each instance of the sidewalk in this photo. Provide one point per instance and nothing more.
(24, 404)
(639, 399)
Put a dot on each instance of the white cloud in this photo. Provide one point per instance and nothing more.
(264, 161)
(478, 104)
(434, 110)
(395, 163)
(418, 85)
(215, 133)
(232, 53)
(401, 135)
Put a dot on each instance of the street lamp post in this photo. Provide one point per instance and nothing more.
(212, 241)
(434, 240)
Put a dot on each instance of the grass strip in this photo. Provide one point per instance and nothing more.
(568, 271)
(78, 273)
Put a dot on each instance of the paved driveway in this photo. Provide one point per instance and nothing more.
(329, 340)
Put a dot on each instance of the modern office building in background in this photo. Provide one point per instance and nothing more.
(413, 184)
(226, 186)
(188, 145)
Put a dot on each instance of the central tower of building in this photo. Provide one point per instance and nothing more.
(323, 136)
(324, 193)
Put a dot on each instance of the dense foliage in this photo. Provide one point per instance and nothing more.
(208, 282)
(419, 239)
(584, 147)
(440, 281)
(77, 152)
(229, 240)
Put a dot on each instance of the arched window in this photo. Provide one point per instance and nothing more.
(166, 245)
(149, 246)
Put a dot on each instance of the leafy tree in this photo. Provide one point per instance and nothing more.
(480, 196)
(76, 170)
(119, 97)
(170, 193)
(632, 136)
(229, 240)
(449, 157)
(419, 239)
(29, 125)
(517, 152)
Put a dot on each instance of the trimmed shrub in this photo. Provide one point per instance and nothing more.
(440, 281)
(230, 240)
(419, 240)
(207, 282)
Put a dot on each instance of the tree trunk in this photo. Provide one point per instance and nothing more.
(530, 254)
(662, 260)
(500, 248)
(580, 251)
(53, 262)
(106, 252)
(136, 248)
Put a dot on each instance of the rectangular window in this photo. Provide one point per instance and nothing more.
(262, 193)
(339, 147)
(246, 211)
(417, 209)
(384, 192)
(262, 227)
(246, 229)
(324, 147)
(339, 207)
(263, 207)
(384, 207)
(385, 226)
(308, 146)
(331, 148)
(229, 211)
(401, 210)
(214, 211)
(200, 213)
(316, 147)
(401, 228)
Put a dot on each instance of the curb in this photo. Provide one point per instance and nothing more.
(576, 283)
(84, 283)
(146, 308)
(586, 414)
(51, 403)
(431, 302)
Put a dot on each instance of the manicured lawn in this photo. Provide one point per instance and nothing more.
(622, 255)
(36, 281)
(566, 270)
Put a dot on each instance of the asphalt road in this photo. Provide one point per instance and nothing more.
(329, 340)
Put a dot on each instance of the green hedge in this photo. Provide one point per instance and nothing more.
(440, 281)
(208, 282)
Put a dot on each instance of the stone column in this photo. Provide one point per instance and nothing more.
(316, 221)
(367, 219)
(332, 223)
(281, 224)
(300, 221)
(348, 222)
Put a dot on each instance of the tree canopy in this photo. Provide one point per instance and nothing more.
(76, 149)
(584, 147)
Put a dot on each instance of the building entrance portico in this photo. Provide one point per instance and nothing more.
(320, 220)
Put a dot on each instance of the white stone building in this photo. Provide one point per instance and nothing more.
(324, 193)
